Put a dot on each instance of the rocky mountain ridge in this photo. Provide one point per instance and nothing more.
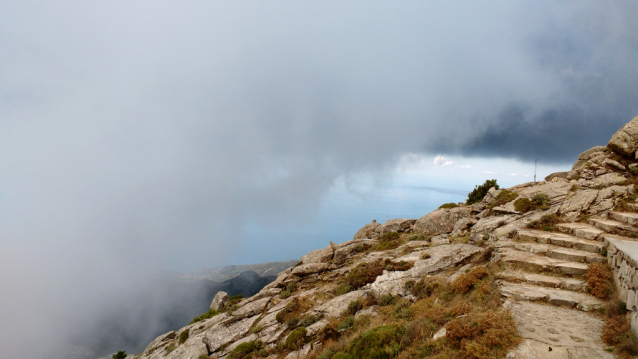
(524, 257)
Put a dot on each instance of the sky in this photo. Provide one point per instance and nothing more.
(150, 136)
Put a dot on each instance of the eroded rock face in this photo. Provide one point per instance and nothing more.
(396, 225)
(318, 256)
(341, 255)
(368, 231)
(441, 220)
(219, 300)
(221, 334)
(310, 268)
(337, 305)
(442, 257)
(576, 203)
(625, 141)
(251, 308)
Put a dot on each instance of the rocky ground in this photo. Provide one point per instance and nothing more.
(528, 249)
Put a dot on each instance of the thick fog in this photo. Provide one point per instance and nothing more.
(139, 137)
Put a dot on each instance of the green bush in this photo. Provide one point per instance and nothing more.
(364, 273)
(309, 320)
(381, 342)
(386, 299)
(541, 201)
(183, 336)
(479, 192)
(343, 289)
(120, 355)
(522, 205)
(390, 240)
(448, 205)
(346, 323)
(296, 338)
(244, 349)
(211, 313)
(354, 307)
(342, 355)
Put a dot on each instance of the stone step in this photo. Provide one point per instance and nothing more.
(633, 206)
(561, 240)
(580, 230)
(536, 262)
(605, 237)
(542, 280)
(557, 297)
(612, 226)
(567, 254)
(625, 217)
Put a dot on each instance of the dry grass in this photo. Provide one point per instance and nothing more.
(482, 335)
(466, 281)
(599, 280)
(546, 223)
(617, 331)
(364, 273)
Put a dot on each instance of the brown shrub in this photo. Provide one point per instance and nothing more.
(466, 281)
(547, 222)
(364, 273)
(614, 329)
(478, 335)
(390, 240)
(397, 266)
(599, 278)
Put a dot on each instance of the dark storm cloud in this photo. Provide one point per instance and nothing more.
(141, 136)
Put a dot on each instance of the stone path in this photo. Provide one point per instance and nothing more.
(544, 283)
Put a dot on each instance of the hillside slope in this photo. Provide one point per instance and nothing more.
(525, 273)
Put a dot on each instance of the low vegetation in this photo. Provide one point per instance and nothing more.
(246, 350)
(546, 223)
(503, 197)
(183, 336)
(290, 288)
(539, 201)
(229, 307)
(599, 280)
(364, 273)
(466, 281)
(617, 331)
(296, 338)
(390, 240)
(479, 192)
(448, 205)
(119, 355)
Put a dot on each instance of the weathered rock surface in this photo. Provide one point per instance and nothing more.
(310, 268)
(221, 334)
(219, 300)
(441, 220)
(318, 256)
(368, 231)
(251, 308)
(442, 257)
(337, 305)
(625, 141)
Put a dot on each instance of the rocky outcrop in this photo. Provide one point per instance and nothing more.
(441, 220)
(625, 141)
(218, 302)
(318, 256)
(375, 230)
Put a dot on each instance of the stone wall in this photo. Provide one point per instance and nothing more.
(622, 256)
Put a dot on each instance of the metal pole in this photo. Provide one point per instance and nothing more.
(535, 170)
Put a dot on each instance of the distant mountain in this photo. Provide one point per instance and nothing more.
(221, 274)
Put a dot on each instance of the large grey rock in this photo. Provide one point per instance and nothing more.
(442, 257)
(625, 141)
(441, 220)
(396, 225)
(368, 231)
(608, 197)
(318, 256)
(606, 180)
(160, 341)
(221, 334)
(611, 163)
(193, 348)
(335, 306)
(464, 224)
(251, 308)
(592, 152)
(344, 252)
(485, 226)
(219, 300)
(556, 174)
(310, 268)
(391, 282)
(577, 202)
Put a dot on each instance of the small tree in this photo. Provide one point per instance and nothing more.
(479, 192)
(120, 355)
